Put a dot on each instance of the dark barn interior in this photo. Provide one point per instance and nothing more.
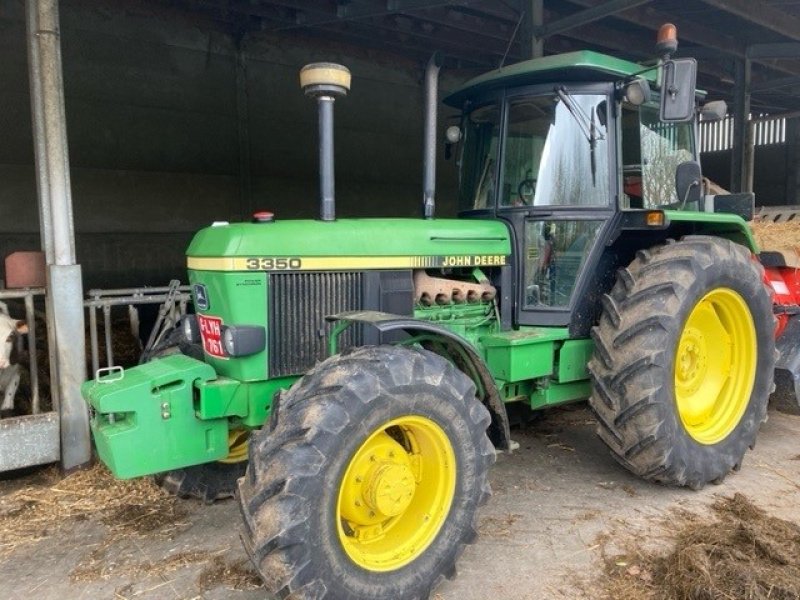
(183, 113)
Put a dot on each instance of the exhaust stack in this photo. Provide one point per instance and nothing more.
(325, 82)
(429, 151)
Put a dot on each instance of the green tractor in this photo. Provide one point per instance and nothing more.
(358, 374)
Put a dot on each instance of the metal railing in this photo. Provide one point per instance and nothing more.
(173, 298)
(31, 439)
(27, 296)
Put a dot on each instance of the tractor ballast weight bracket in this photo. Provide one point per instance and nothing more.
(455, 348)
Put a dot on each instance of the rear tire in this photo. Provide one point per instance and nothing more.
(302, 521)
(784, 399)
(684, 360)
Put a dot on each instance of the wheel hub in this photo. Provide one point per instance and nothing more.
(238, 442)
(389, 488)
(692, 360)
(380, 483)
(715, 361)
(395, 493)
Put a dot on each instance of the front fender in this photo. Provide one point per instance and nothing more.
(446, 343)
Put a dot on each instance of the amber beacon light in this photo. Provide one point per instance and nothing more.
(667, 40)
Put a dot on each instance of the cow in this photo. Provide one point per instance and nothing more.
(9, 373)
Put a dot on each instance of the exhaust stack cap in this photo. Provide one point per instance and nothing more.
(325, 79)
(325, 82)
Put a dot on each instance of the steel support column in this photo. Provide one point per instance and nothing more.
(749, 157)
(64, 283)
(741, 115)
(243, 133)
(537, 21)
(42, 186)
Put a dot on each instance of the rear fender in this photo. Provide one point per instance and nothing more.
(445, 343)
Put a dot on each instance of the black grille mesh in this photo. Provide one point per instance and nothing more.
(298, 305)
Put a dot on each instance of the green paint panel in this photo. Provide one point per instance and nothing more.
(237, 298)
(524, 354)
(259, 399)
(145, 422)
(560, 393)
(222, 398)
(354, 237)
(573, 359)
(250, 403)
(725, 225)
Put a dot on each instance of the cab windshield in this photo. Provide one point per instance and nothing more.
(556, 153)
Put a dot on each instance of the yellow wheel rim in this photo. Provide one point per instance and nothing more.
(396, 493)
(715, 366)
(238, 440)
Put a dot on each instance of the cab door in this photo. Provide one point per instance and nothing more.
(557, 190)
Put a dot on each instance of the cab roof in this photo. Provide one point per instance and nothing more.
(582, 66)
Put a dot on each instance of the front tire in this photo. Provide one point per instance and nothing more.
(684, 360)
(368, 484)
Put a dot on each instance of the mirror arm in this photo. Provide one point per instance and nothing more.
(694, 184)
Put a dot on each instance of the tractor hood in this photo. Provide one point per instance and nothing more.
(349, 244)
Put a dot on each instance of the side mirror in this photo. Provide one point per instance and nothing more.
(688, 183)
(678, 81)
(714, 111)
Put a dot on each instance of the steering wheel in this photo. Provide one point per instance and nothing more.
(526, 191)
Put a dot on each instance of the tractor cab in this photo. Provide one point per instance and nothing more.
(568, 150)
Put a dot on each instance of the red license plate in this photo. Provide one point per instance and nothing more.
(211, 333)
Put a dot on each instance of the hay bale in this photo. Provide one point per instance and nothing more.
(43, 504)
(781, 237)
(742, 552)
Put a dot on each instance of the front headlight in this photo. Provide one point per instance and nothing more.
(190, 329)
(244, 340)
(228, 341)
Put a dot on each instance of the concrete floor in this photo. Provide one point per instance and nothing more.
(555, 500)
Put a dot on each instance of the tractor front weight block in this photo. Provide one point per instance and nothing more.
(146, 421)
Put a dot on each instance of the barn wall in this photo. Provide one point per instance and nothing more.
(151, 102)
(769, 177)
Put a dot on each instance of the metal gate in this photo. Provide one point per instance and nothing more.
(34, 438)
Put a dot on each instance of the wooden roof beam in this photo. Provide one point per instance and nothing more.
(772, 84)
(647, 16)
(586, 16)
(775, 50)
(761, 13)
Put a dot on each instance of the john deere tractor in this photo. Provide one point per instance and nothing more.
(358, 374)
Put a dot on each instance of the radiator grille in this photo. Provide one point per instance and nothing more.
(298, 305)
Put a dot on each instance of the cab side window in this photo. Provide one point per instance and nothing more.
(651, 152)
